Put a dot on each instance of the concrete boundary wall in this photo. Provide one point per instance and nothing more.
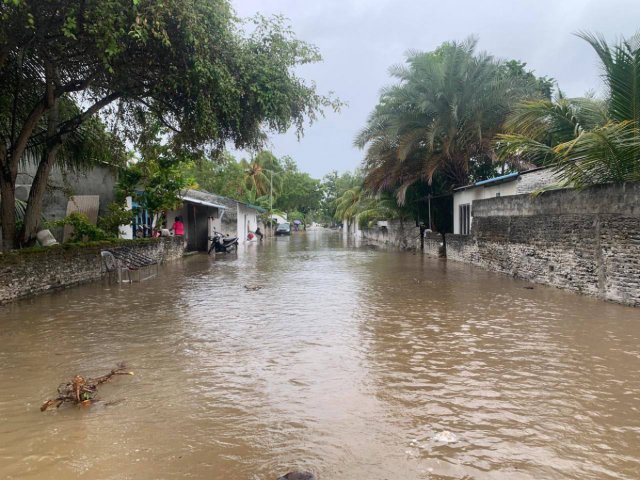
(37, 271)
(434, 245)
(405, 236)
(586, 241)
(398, 233)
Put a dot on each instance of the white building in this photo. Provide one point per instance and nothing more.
(505, 185)
(237, 218)
(201, 213)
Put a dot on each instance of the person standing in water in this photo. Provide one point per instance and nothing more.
(178, 227)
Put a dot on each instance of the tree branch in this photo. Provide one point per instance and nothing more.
(70, 125)
(161, 118)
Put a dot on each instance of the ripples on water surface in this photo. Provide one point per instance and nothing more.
(350, 362)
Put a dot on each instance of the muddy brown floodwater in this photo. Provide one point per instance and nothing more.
(352, 362)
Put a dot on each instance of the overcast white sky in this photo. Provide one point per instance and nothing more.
(361, 39)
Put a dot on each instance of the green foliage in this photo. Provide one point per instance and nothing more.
(586, 141)
(21, 207)
(117, 215)
(158, 178)
(83, 229)
(254, 181)
(333, 187)
(441, 117)
(262, 174)
(192, 66)
(358, 204)
(298, 192)
(223, 176)
(517, 72)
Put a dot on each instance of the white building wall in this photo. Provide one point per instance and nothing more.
(180, 212)
(247, 221)
(126, 231)
(479, 193)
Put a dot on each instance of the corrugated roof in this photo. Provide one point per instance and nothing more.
(201, 198)
(213, 198)
(255, 207)
(501, 179)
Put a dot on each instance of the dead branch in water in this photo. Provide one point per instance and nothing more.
(81, 390)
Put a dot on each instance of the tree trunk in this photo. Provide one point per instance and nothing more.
(36, 197)
(38, 188)
(7, 202)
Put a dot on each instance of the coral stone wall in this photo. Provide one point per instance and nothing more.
(586, 241)
(35, 271)
(406, 236)
(397, 233)
(433, 245)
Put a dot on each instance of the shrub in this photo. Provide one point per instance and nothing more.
(116, 216)
(83, 229)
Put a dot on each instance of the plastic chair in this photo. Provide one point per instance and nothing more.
(112, 265)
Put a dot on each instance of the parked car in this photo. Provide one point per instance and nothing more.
(283, 229)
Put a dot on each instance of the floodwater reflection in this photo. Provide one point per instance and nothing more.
(352, 362)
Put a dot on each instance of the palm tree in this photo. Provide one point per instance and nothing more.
(261, 172)
(358, 204)
(442, 115)
(585, 140)
(348, 205)
(535, 127)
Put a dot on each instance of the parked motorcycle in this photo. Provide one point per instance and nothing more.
(222, 244)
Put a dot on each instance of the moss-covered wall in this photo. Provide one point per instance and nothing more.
(38, 270)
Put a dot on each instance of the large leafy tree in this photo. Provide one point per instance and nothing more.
(222, 175)
(158, 177)
(185, 62)
(441, 117)
(298, 192)
(333, 187)
(587, 141)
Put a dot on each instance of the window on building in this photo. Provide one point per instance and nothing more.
(465, 219)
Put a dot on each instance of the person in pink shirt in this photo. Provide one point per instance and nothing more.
(178, 227)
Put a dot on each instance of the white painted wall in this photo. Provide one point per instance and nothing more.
(479, 193)
(247, 221)
(126, 231)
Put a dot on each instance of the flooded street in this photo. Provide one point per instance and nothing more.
(352, 362)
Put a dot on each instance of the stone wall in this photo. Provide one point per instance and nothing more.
(535, 179)
(400, 234)
(35, 271)
(586, 241)
(406, 236)
(433, 245)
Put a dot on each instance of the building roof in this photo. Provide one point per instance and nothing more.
(214, 200)
(254, 207)
(510, 177)
(201, 198)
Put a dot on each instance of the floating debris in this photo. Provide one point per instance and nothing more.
(445, 437)
(298, 476)
(81, 390)
(252, 288)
